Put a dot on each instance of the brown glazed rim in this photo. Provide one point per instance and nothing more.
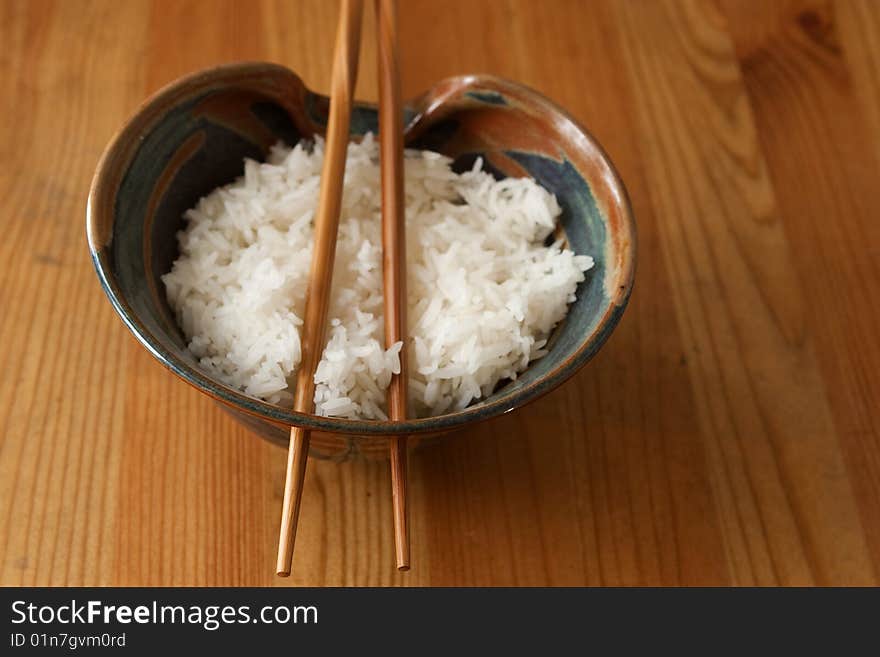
(621, 244)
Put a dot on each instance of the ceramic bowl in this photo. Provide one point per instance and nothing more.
(193, 135)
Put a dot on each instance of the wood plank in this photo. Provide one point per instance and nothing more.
(822, 158)
(61, 409)
(789, 512)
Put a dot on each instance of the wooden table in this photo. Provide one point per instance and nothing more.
(729, 432)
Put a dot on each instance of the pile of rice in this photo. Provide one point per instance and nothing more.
(484, 290)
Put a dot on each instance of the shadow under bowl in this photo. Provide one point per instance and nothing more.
(192, 137)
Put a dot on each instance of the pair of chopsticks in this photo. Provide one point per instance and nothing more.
(344, 76)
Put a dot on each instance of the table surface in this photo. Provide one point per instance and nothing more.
(728, 433)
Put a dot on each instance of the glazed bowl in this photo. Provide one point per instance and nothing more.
(193, 135)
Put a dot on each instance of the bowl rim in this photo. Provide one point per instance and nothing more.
(140, 121)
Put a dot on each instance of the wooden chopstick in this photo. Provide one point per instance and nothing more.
(394, 256)
(345, 64)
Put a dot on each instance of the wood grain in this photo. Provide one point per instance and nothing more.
(728, 433)
(759, 391)
(826, 187)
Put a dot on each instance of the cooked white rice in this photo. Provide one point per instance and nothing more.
(484, 291)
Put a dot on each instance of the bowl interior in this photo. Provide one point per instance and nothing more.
(193, 136)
